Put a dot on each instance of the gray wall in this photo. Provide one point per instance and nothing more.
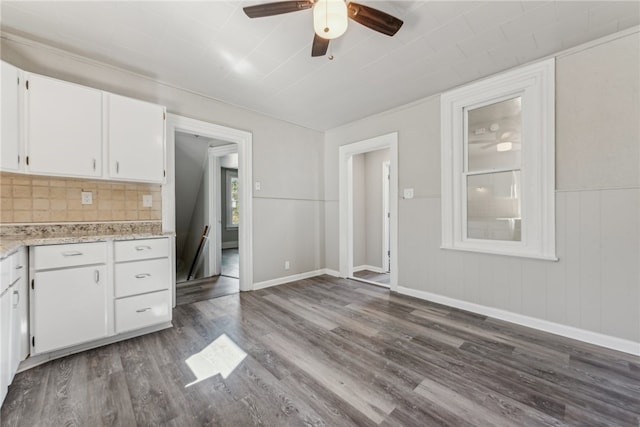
(191, 159)
(596, 284)
(367, 208)
(287, 159)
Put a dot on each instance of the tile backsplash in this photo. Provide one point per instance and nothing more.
(38, 199)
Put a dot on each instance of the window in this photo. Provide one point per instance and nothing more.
(232, 206)
(498, 148)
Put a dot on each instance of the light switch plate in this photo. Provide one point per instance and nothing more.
(408, 193)
(87, 198)
(147, 201)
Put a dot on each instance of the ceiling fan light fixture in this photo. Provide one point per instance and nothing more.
(504, 146)
(330, 18)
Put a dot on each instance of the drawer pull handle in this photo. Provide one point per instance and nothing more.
(142, 310)
(97, 276)
(71, 253)
(142, 275)
(143, 248)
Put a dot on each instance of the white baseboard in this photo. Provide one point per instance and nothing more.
(331, 272)
(287, 279)
(229, 245)
(614, 343)
(368, 267)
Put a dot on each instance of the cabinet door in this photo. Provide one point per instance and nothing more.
(14, 328)
(136, 139)
(10, 155)
(5, 336)
(64, 128)
(69, 307)
(22, 287)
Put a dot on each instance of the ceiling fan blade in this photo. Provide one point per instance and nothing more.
(277, 8)
(320, 46)
(375, 19)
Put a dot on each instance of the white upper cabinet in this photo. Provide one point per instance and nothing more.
(63, 128)
(10, 157)
(136, 139)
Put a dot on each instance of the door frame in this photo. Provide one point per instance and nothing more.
(345, 205)
(244, 143)
(214, 204)
(386, 215)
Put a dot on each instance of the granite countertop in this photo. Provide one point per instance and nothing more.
(13, 237)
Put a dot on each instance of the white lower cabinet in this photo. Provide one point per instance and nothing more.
(70, 307)
(85, 292)
(13, 317)
(142, 278)
(69, 295)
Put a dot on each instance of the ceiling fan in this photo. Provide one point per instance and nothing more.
(503, 140)
(330, 18)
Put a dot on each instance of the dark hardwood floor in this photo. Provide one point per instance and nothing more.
(372, 276)
(227, 283)
(331, 352)
(207, 288)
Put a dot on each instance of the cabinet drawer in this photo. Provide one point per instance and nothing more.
(142, 311)
(133, 250)
(72, 255)
(18, 267)
(139, 277)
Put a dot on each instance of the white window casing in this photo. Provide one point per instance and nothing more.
(535, 85)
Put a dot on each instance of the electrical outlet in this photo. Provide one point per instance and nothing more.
(87, 198)
(147, 201)
(287, 265)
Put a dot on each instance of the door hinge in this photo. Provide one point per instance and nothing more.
(33, 341)
(27, 83)
(32, 283)
(164, 173)
(18, 158)
(164, 116)
(18, 81)
(27, 160)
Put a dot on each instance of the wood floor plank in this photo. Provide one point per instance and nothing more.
(331, 352)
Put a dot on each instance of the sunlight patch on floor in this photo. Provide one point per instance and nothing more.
(222, 356)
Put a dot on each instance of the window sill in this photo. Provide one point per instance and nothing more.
(504, 253)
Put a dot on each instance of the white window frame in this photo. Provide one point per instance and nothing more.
(229, 175)
(536, 85)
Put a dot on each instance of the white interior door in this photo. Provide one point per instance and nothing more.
(386, 220)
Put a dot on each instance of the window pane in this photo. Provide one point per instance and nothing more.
(493, 136)
(493, 206)
(235, 207)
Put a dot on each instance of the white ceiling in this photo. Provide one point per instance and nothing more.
(265, 64)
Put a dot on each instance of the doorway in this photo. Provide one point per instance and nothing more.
(214, 149)
(380, 262)
(371, 174)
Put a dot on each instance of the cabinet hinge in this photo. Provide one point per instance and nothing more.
(32, 283)
(27, 83)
